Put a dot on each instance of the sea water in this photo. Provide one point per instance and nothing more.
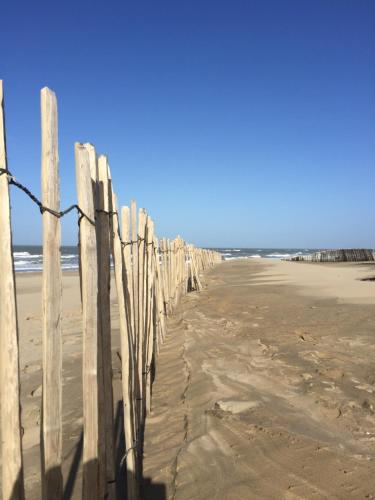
(30, 258)
(265, 253)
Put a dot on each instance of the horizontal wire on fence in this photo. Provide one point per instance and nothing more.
(13, 181)
(134, 447)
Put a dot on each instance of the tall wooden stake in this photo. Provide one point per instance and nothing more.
(149, 323)
(104, 283)
(89, 285)
(141, 309)
(12, 469)
(52, 481)
(126, 358)
(134, 234)
(129, 297)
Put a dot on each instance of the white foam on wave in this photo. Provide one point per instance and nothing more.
(26, 255)
(255, 256)
(29, 269)
(278, 255)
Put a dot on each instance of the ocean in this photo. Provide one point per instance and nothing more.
(266, 253)
(30, 258)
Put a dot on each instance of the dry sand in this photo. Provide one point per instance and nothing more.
(29, 314)
(264, 387)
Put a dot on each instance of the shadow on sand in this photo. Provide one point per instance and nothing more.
(149, 490)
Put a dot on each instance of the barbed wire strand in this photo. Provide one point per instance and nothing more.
(60, 214)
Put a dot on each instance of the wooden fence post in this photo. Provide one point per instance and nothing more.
(125, 231)
(102, 488)
(126, 357)
(129, 298)
(149, 323)
(134, 233)
(12, 468)
(160, 294)
(52, 481)
(104, 284)
(89, 286)
(141, 305)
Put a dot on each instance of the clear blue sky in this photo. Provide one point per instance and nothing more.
(235, 123)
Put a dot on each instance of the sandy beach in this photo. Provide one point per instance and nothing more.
(264, 387)
(272, 392)
(29, 314)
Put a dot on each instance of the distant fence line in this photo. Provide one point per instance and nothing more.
(151, 275)
(341, 255)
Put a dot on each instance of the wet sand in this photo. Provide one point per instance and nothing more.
(265, 386)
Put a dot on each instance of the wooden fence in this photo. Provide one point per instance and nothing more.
(341, 255)
(151, 275)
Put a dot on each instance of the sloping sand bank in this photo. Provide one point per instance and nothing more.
(265, 387)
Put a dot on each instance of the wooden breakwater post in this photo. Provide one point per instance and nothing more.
(12, 467)
(52, 481)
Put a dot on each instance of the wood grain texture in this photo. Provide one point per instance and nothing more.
(126, 367)
(52, 481)
(149, 317)
(134, 234)
(89, 286)
(141, 315)
(104, 288)
(12, 469)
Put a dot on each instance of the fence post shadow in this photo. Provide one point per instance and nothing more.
(69, 485)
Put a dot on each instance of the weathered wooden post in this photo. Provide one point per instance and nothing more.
(149, 334)
(12, 469)
(89, 286)
(134, 233)
(160, 293)
(102, 488)
(125, 223)
(126, 357)
(52, 481)
(141, 306)
(104, 288)
(128, 290)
